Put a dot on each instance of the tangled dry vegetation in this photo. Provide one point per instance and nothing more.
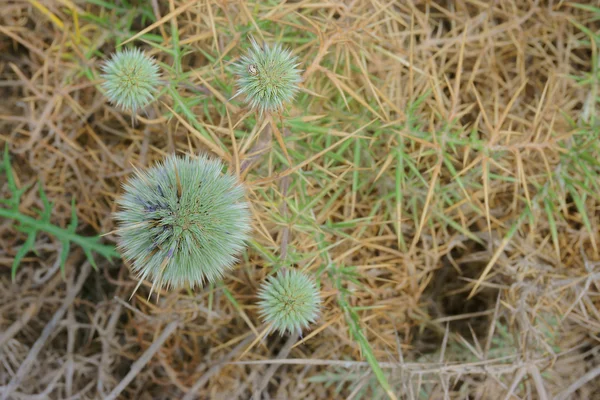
(438, 176)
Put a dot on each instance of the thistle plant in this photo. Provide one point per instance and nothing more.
(289, 301)
(268, 77)
(10, 209)
(182, 222)
(131, 79)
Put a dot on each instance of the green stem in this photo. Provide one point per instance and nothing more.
(60, 233)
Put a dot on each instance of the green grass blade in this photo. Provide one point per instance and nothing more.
(552, 222)
(580, 205)
(353, 322)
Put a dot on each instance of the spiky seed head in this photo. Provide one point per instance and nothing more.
(182, 222)
(131, 79)
(289, 301)
(268, 77)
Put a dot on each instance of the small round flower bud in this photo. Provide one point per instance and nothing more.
(289, 301)
(131, 79)
(268, 77)
(182, 222)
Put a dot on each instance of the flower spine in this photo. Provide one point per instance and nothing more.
(268, 77)
(131, 79)
(289, 301)
(182, 222)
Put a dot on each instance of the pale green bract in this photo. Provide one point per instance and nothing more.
(289, 301)
(182, 222)
(268, 77)
(131, 79)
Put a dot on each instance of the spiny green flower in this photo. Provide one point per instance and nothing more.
(289, 301)
(182, 222)
(131, 79)
(268, 77)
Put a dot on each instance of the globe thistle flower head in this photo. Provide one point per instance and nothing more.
(268, 77)
(182, 222)
(289, 301)
(131, 79)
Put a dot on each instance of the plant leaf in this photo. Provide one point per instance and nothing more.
(28, 245)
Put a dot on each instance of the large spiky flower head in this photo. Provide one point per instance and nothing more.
(289, 301)
(268, 77)
(182, 222)
(131, 79)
